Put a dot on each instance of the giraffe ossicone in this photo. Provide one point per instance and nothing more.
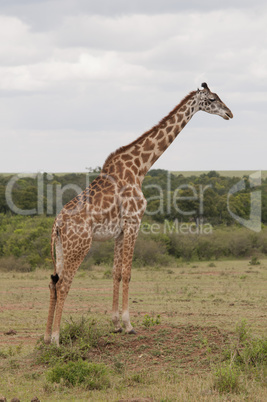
(113, 206)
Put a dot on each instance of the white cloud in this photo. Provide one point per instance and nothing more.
(121, 33)
(86, 68)
(20, 45)
(134, 48)
(92, 68)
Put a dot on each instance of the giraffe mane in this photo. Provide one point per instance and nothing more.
(157, 126)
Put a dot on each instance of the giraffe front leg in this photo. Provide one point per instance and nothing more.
(117, 268)
(115, 306)
(128, 249)
(125, 306)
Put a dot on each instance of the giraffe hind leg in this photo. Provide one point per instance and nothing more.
(52, 306)
(62, 289)
(67, 266)
(58, 268)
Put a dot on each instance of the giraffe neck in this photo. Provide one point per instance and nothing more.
(132, 162)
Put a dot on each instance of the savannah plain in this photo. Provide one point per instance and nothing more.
(194, 322)
(198, 300)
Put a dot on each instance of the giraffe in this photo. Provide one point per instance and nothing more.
(113, 206)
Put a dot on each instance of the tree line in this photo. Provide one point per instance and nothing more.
(187, 218)
(25, 244)
(207, 198)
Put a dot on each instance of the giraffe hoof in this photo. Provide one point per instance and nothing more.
(132, 332)
(47, 339)
(117, 331)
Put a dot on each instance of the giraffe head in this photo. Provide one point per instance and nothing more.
(211, 103)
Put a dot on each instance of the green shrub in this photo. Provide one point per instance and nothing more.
(76, 339)
(182, 246)
(140, 377)
(211, 265)
(150, 252)
(52, 354)
(240, 244)
(80, 373)
(150, 321)
(246, 355)
(26, 237)
(107, 274)
(100, 253)
(25, 244)
(255, 352)
(83, 332)
(254, 261)
(249, 351)
(242, 331)
(226, 379)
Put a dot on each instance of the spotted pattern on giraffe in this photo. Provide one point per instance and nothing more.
(113, 206)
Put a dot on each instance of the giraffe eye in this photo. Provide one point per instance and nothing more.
(212, 99)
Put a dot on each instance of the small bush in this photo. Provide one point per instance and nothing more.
(182, 246)
(242, 331)
(107, 274)
(211, 265)
(249, 350)
(101, 253)
(205, 248)
(83, 332)
(150, 321)
(254, 261)
(150, 252)
(255, 352)
(239, 244)
(3, 355)
(76, 339)
(226, 379)
(88, 375)
(246, 355)
(141, 377)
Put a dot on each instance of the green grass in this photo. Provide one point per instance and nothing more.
(201, 335)
(245, 357)
(80, 373)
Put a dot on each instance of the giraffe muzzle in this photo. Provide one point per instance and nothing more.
(228, 115)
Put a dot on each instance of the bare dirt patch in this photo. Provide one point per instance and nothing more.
(187, 347)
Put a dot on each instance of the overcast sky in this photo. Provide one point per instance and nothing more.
(80, 78)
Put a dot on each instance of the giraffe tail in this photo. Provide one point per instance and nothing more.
(54, 277)
(57, 253)
(53, 239)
